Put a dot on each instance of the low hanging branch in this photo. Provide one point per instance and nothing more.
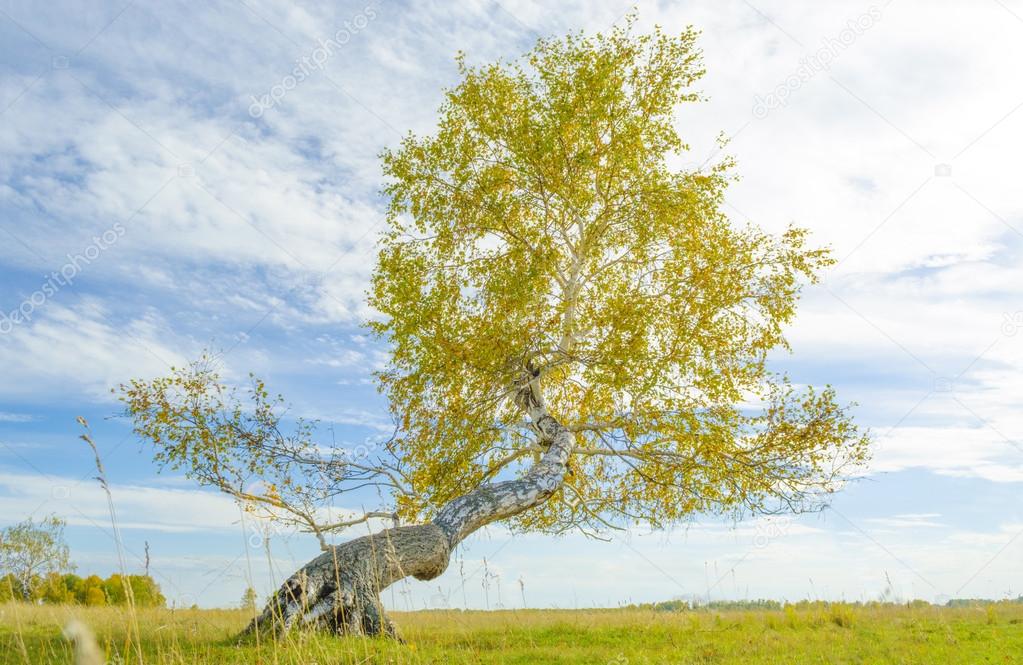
(233, 440)
(578, 339)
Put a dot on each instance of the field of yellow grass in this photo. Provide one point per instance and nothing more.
(817, 633)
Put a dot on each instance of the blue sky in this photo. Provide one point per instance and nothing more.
(165, 188)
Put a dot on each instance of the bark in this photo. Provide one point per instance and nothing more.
(340, 590)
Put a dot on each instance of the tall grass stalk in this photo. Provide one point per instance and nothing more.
(128, 593)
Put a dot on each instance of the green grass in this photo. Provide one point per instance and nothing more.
(815, 634)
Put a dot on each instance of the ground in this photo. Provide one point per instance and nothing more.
(809, 634)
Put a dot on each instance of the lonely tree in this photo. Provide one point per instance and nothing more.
(578, 339)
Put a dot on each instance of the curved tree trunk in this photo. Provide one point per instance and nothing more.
(340, 589)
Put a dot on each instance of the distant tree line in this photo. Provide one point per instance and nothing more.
(682, 605)
(35, 566)
(68, 588)
(980, 602)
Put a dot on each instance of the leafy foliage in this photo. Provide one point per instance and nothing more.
(30, 550)
(236, 440)
(543, 229)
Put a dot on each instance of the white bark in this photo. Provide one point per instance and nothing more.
(339, 590)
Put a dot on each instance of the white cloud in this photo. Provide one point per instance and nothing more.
(8, 417)
(958, 451)
(78, 350)
(907, 521)
(83, 503)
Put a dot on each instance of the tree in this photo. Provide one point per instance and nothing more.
(577, 335)
(30, 550)
(249, 599)
(10, 588)
(75, 586)
(56, 589)
(115, 590)
(92, 591)
(146, 592)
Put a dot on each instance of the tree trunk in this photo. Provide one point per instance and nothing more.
(340, 590)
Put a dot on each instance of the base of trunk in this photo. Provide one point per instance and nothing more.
(339, 591)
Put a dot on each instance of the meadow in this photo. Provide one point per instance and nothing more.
(808, 633)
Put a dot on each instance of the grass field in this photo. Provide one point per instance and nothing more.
(816, 634)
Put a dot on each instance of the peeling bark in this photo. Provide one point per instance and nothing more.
(339, 590)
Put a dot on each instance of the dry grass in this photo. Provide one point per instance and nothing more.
(821, 634)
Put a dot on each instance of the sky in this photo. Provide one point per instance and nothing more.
(177, 177)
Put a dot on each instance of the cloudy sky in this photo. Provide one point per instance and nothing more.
(168, 185)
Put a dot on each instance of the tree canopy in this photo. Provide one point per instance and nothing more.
(543, 226)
